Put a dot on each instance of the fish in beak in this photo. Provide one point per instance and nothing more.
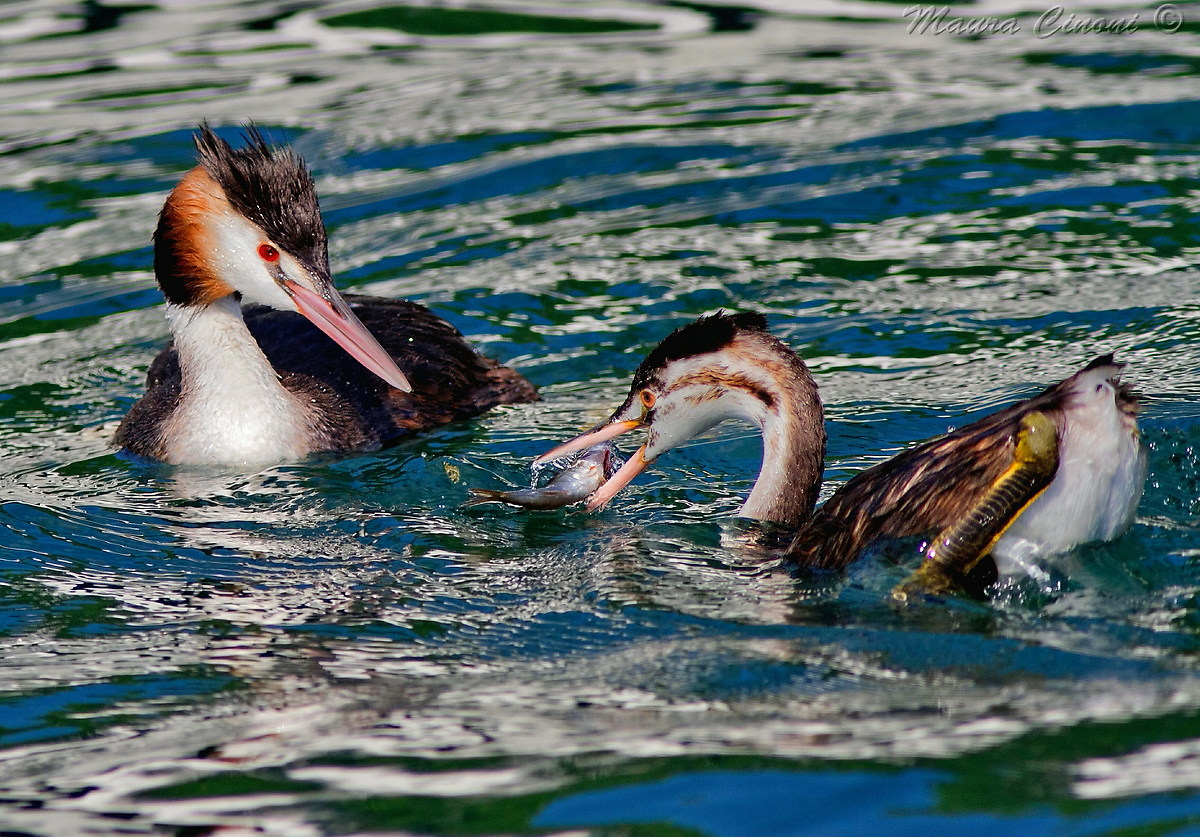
(602, 433)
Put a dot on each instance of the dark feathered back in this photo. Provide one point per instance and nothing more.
(708, 334)
(273, 188)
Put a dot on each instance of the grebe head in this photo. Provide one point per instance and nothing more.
(719, 367)
(247, 221)
(1098, 387)
(1100, 474)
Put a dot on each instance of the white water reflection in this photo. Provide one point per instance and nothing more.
(1158, 768)
(536, 714)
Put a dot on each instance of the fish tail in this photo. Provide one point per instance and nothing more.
(484, 495)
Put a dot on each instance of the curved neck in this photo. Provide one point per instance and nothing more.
(233, 408)
(793, 450)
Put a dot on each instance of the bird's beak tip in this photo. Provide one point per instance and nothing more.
(584, 440)
(338, 321)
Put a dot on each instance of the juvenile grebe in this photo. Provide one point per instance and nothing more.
(1049, 473)
(262, 383)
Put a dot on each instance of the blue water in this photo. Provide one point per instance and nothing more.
(939, 225)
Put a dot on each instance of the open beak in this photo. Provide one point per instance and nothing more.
(337, 320)
(624, 475)
(595, 436)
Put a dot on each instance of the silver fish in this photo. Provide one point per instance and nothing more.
(573, 484)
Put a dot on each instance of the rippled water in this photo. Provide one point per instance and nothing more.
(940, 225)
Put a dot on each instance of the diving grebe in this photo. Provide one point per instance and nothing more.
(262, 383)
(1049, 473)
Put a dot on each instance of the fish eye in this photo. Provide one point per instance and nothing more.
(268, 253)
(648, 398)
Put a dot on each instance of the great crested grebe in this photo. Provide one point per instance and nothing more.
(261, 383)
(1037, 478)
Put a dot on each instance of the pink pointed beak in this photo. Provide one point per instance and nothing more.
(624, 475)
(585, 440)
(338, 321)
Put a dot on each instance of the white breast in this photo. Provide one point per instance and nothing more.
(233, 408)
(1095, 493)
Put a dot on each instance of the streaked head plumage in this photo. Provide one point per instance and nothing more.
(272, 188)
(706, 335)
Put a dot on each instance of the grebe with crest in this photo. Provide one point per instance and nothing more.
(268, 362)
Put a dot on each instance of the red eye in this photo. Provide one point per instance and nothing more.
(648, 399)
(268, 253)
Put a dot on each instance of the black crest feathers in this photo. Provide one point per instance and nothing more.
(707, 334)
(271, 187)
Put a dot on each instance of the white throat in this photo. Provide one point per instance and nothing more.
(233, 408)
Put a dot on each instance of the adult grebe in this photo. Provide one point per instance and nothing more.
(262, 383)
(1049, 473)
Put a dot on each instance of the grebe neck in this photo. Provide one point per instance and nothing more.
(233, 407)
(793, 429)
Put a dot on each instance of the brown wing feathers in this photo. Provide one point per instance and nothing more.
(920, 491)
